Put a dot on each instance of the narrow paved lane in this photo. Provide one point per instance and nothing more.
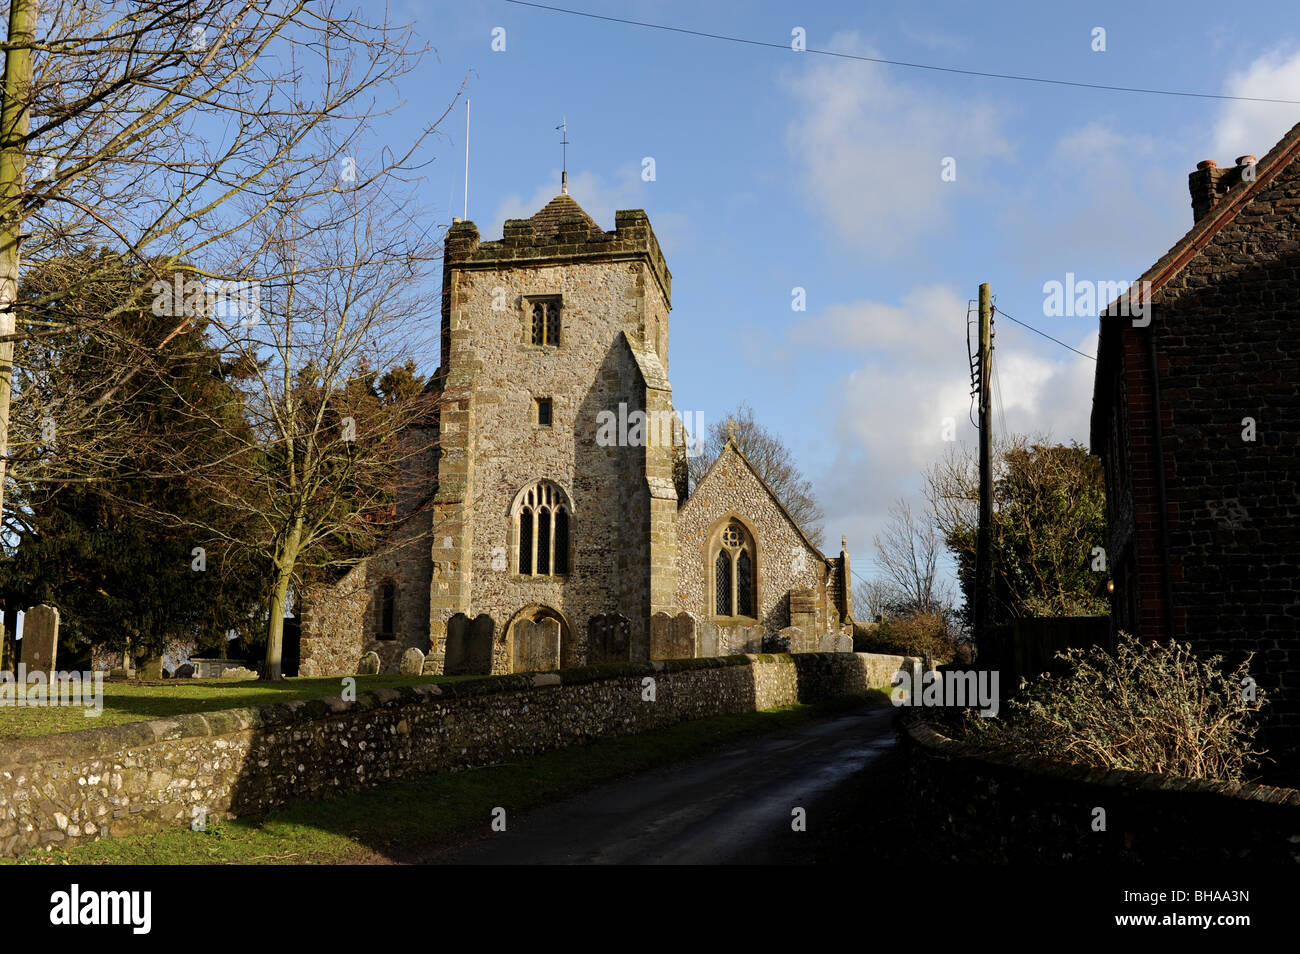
(732, 806)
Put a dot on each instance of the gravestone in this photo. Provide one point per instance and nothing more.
(608, 638)
(745, 639)
(40, 638)
(455, 643)
(835, 643)
(536, 645)
(369, 665)
(661, 636)
(412, 663)
(152, 668)
(469, 645)
(482, 630)
(237, 673)
(707, 637)
(788, 640)
(183, 671)
(433, 664)
(685, 636)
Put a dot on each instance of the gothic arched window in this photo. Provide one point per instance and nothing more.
(734, 582)
(722, 584)
(541, 514)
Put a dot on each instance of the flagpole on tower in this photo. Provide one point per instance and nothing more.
(465, 212)
(564, 154)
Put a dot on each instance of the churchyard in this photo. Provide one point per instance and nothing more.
(137, 701)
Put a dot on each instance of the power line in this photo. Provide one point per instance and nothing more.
(1047, 336)
(996, 380)
(974, 364)
(914, 66)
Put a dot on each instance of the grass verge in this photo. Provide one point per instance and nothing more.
(404, 821)
(139, 702)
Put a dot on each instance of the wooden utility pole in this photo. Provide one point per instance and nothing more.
(984, 539)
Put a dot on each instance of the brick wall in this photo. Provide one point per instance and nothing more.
(1223, 328)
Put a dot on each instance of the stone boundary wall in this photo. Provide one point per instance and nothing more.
(976, 805)
(79, 786)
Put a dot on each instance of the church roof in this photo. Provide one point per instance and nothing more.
(546, 221)
(731, 447)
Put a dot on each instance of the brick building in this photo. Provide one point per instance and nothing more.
(550, 502)
(1196, 416)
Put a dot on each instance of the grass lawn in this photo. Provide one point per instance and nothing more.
(137, 702)
(405, 821)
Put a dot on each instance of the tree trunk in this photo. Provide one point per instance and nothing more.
(13, 165)
(271, 671)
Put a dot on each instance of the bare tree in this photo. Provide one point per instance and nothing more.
(908, 555)
(773, 461)
(330, 471)
(874, 598)
(134, 126)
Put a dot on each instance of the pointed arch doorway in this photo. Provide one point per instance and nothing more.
(517, 651)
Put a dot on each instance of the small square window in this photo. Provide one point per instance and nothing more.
(542, 412)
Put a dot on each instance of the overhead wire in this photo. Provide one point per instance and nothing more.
(1044, 334)
(903, 63)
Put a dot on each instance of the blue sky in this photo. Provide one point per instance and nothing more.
(775, 169)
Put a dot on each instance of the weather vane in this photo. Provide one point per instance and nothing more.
(564, 154)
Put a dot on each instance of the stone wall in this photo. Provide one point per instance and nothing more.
(79, 786)
(975, 806)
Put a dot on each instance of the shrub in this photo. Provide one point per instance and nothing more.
(921, 634)
(1151, 708)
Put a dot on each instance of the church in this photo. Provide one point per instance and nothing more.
(555, 488)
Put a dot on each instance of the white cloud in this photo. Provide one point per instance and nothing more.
(871, 147)
(1096, 174)
(1245, 128)
(894, 406)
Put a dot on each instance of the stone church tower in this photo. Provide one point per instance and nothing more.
(559, 481)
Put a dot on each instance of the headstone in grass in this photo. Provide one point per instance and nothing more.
(685, 643)
(412, 663)
(469, 645)
(707, 638)
(788, 640)
(369, 665)
(745, 639)
(40, 638)
(661, 636)
(238, 672)
(152, 668)
(456, 645)
(482, 630)
(835, 643)
(608, 638)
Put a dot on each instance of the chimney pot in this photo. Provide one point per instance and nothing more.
(1246, 160)
(1206, 164)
